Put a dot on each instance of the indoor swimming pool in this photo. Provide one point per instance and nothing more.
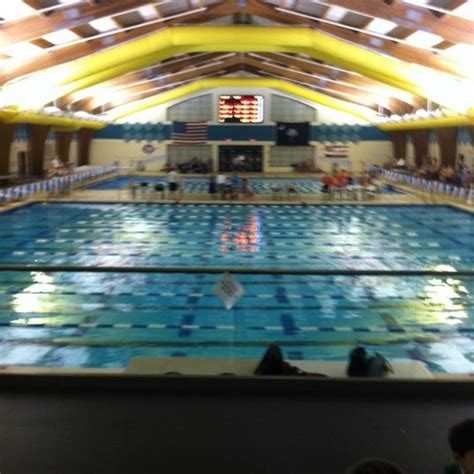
(193, 185)
(100, 319)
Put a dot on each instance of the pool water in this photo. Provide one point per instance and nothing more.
(102, 319)
(255, 236)
(256, 185)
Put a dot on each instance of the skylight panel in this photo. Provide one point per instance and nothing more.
(380, 26)
(466, 10)
(417, 2)
(335, 13)
(15, 9)
(104, 24)
(424, 39)
(22, 50)
(148, 12)
(461, 51)
(61, 37)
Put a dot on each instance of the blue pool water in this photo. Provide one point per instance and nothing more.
(103, 319)
(257, 185)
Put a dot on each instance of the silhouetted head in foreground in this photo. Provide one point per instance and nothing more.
(374, 466)
(461, 441)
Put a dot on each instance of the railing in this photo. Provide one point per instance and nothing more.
(54, 185)
(424, 184)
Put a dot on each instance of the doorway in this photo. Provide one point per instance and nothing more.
(244, 159)
(21, 164)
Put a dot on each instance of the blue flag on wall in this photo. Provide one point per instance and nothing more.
(292, 134)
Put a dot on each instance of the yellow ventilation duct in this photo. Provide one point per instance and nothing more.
(11, 116)
(51, 84)
(454, 121)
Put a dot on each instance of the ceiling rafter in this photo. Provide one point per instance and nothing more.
(331, 93)
(33, 27)
(257, 72)
(172, 80)
(451, 28)
(73, 52)
(244, 62)
(403, 52)
(394, 105)
(167, 67)
(347, 83)
(313, 67)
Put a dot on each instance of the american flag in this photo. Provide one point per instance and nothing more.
(189, 132)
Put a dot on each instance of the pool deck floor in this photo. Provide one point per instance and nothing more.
(410, 196)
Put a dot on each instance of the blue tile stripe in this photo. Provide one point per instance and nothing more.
(286, 328)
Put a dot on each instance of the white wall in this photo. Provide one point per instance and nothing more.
(324, 114)
(16, 147)
(360, 153)
(410, 151)
(106, 152)
(467, 150)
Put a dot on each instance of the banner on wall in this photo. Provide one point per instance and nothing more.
(292, 134)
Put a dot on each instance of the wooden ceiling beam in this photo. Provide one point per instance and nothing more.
(77, 51)
(29, 28)
(313, 67)
(352, 100)
(451, 28)
(388, 103)
(148, 73)
(169, 81)
(400, 51)
(242, 63)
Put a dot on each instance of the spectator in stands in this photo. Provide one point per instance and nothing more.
(341, 179)
(57, 167)
(221, 182)
(328, 182)
(401, 163)
(467, 179)
(461, 441)
(132, 187)
(374, 466)
(173, 180)
(446, 174)
(212, 186)
(246, 188)
(234, 186)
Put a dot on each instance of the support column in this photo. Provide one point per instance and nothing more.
(7, 135)
(447, 138)
(420, 142)
(399, 143)
(84, 138)
(63, 145)
(37, 135)
(470, 129)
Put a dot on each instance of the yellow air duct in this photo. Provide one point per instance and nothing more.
(11, 116)
(440, 88)
(454, 121)
(278, 84)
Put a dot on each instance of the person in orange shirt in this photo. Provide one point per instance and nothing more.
(328, 181)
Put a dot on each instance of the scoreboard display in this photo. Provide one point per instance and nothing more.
(240, 109)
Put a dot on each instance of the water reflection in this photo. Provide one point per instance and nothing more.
(245, 238)
(36, 297)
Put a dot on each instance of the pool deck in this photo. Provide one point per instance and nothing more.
(410, 195)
